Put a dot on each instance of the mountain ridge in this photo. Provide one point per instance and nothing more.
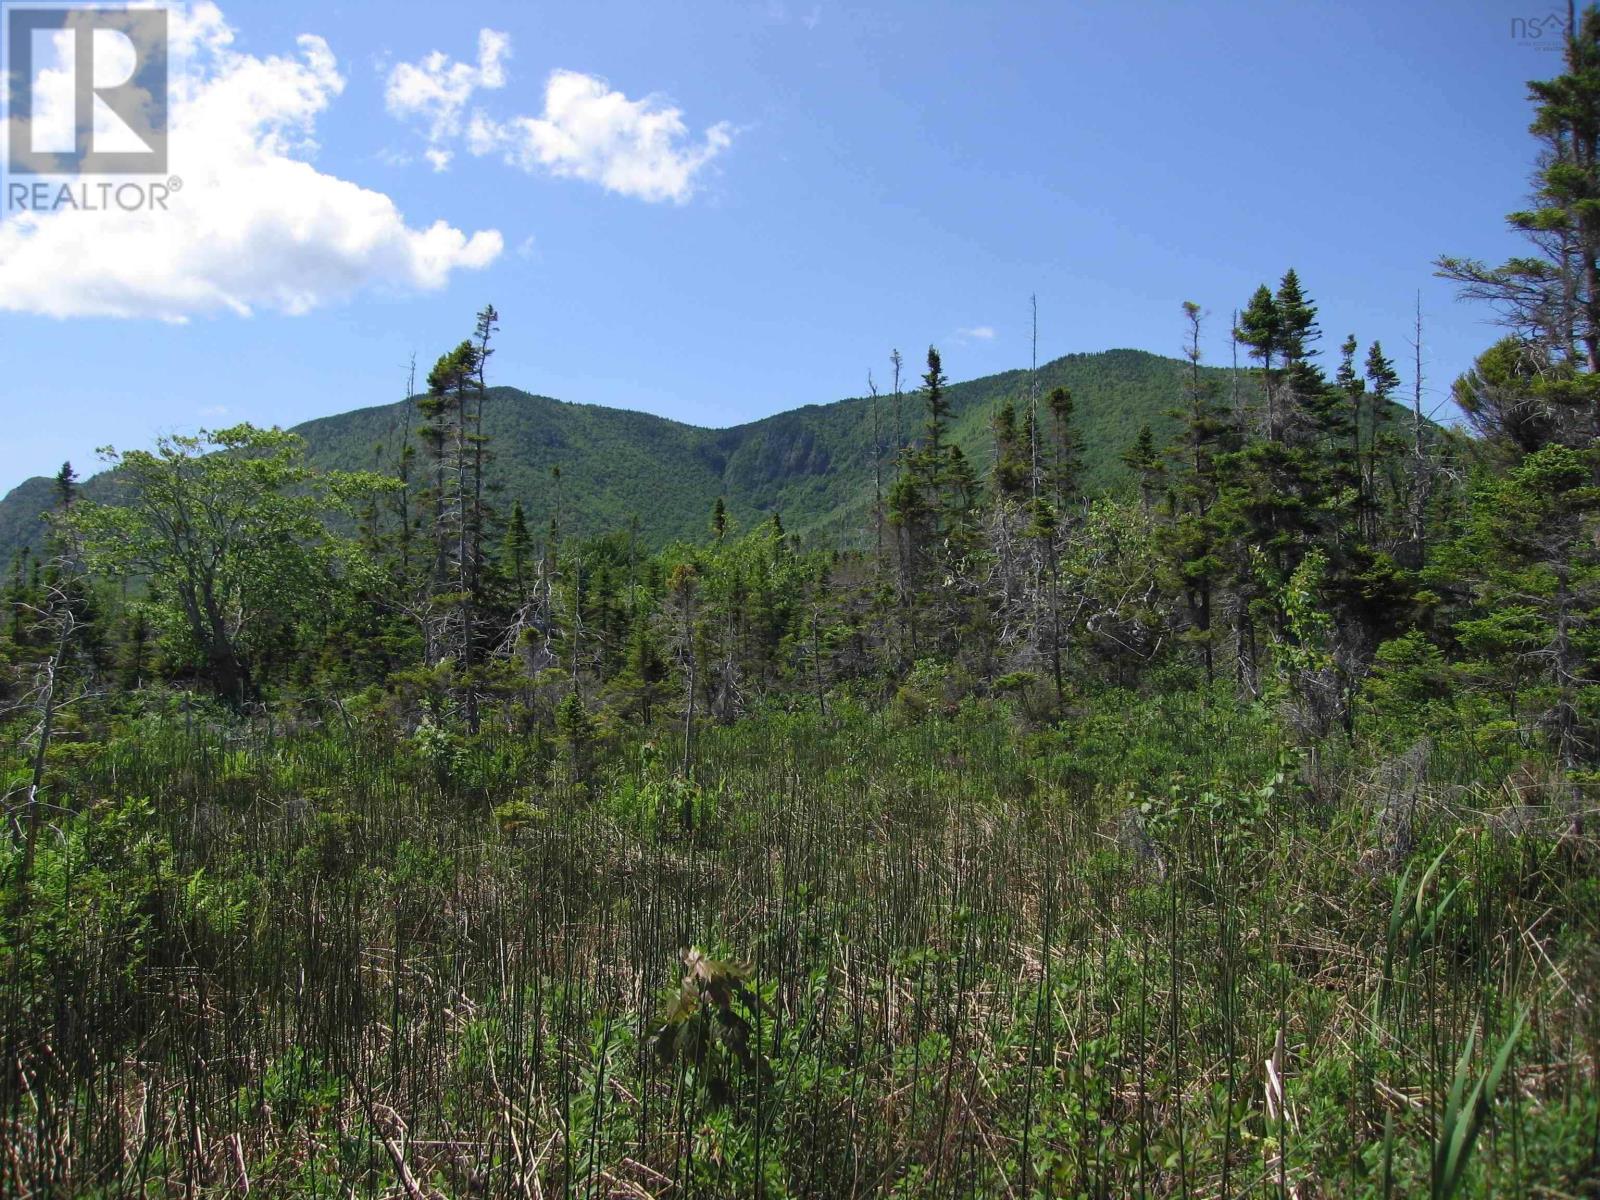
(811, 464)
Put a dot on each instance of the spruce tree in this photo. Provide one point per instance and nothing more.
(1382, 383)
(1144, 461)
(1550, 299)
(66, 482)
(518, 550)
(1066, 452)
(1010, 454)
(1529, 560)
(1193, 539)
(937, 405)
(1259, 328)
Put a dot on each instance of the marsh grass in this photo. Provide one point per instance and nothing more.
(981, 962)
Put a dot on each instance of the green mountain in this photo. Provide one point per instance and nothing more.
(813, 464)
(20, 513)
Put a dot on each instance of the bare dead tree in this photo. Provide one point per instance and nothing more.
(1033, 405)
(57, 617)
(877, 478)
(1234, 399)
(1421, 472)
(899, 435)
(683, 590)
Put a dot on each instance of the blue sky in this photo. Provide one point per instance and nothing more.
(846, 179)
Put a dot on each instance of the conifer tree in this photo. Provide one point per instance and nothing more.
(518, 550)
(911, 519)
(1529, 554)
(1342, 413)
(938, 407)
(1382, 383)
(447, 410)
(1194, 537)
(1145, 462)
(1066, 452)
(1010, 454)
(923, 504)
(19, 595)
(961, 488)
(577, 729)
(1279, 484)
(66, 482)
(640, 686)
(1259, 328)
(683, 590)
(1550, 300)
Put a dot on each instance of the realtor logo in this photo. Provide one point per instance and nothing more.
(86, 89)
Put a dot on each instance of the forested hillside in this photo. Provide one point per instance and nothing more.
(1141, 779)
(812, 465)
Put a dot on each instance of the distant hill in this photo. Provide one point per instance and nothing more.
(813, 465)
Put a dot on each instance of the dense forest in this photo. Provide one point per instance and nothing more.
(629, 470)
(1214, 816)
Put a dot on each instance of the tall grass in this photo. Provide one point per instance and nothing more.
(961, 960)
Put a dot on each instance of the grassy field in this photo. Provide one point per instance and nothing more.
(865, 953)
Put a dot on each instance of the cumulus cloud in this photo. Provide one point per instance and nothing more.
(436, 90)
(587, 130)
(978, 333)
(255, 225)
(638, 148)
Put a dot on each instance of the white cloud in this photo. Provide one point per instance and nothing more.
(640, 148)
(978, 333)
(587, 131)
(437, 89)
(255, 224)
